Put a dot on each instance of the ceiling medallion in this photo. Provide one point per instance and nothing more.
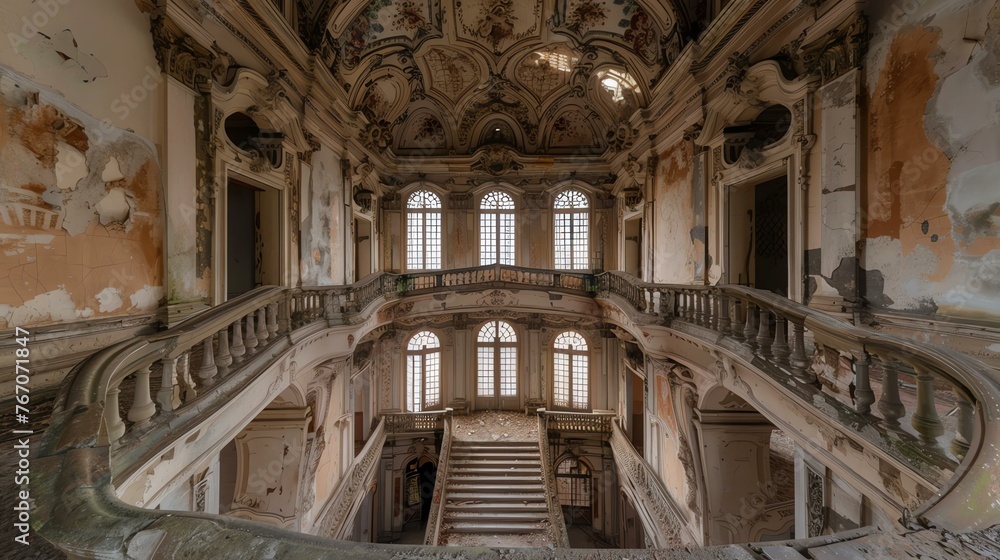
(496, 160)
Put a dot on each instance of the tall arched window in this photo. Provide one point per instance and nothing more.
(496, 229)
(570, 371)
(423, 231)
(423, 372)
(571, 211)
(496, 348)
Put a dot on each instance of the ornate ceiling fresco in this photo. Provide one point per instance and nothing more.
(449, 77)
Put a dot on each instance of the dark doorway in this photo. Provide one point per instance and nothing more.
(241, 234)
(758, 236)
(771, 241)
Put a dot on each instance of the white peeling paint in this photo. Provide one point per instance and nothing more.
(55, 306)
(110, 299)
(71, 166)
(114, 207)
(146, 299)
(112, 171)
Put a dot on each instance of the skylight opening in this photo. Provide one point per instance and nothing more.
(616, 82)
(560, 61)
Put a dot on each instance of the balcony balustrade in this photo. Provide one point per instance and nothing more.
(128, 402)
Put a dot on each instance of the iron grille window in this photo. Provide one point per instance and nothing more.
(423, 231)
(573, 483)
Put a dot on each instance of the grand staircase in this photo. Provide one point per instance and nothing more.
(496, 493)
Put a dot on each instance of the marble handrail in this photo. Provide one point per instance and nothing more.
(559, 534)
(435, 518)
(337, 517)
(650, 496)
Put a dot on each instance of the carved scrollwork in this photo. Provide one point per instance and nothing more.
(496, 160)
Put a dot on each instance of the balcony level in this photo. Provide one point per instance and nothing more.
(290, 423)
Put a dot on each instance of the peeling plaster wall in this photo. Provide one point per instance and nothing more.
(933, 186)
(100, 68)
(678, 229)
(80, 213)
(323, 243)
(671, 469)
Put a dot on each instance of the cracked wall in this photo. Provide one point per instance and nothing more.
(80, 218)
(323, 243)
(930, 210)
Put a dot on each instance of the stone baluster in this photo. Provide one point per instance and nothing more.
(798, 360)
(963, 435)
(889, 405)
(169, 395)
(143, 408)
(284, 322)
(208, 369)
(249, 337)
(223, 359)
(112, 419)
(779, 348)
(711, 310)
(700, 307)
(864, 397)
(764, 332)
(725, 325)
(926, 420)
(184, 376)
(262, 333)
(750, 329)
(738, 319)
(272, 320)
(237, 349)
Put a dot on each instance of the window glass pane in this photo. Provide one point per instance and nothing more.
(560, 379)
(423, 231)
(508, 372)
(486, 372)
(572, 230)
(423, 371)
(496, 229)
(580, 382)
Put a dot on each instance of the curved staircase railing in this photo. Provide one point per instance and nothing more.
(204, 362)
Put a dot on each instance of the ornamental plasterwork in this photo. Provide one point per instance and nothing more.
(456, 59)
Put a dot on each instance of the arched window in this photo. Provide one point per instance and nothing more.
(496, 229)
(423, 231)
(572, 230)
(570, 371)
(496, 348)
(423, 372)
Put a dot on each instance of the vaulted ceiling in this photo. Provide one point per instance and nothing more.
(447, 77)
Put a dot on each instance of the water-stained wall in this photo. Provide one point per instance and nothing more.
(323, 243)
(678, 229)
(80, 212)
(930, 209)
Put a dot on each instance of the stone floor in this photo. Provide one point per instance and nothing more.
(496, 426)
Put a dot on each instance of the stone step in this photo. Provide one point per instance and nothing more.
(503, 458)
(495, 444)
(517, 488)
(497, 507)
(496, 516)
(497, 462)
(495, 471)
(496, 479)
(495, 528)
(473, 497)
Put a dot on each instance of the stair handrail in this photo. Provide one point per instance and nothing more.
(666, 525)
(556, 519)
(435, 517)
(725, 311)
(337, 517)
